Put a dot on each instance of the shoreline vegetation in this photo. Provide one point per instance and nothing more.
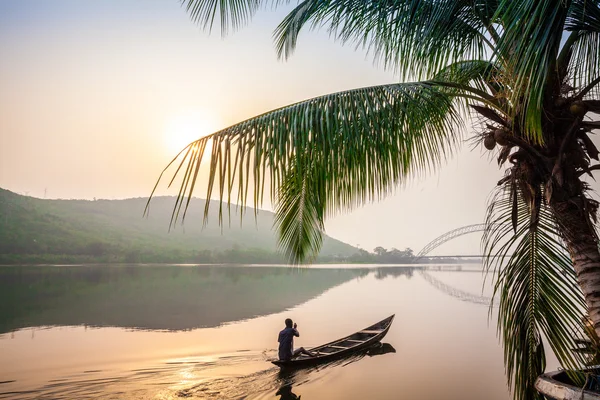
(39, 231)
(221, 258)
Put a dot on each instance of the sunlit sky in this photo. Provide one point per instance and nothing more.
(98, 96)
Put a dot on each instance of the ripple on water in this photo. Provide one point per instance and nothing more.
(166, 381)
(217, 378)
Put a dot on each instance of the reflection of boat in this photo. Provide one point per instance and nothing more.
(286, 393)
(379, 349)
(342, 347)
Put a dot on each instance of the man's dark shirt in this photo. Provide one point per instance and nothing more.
(286, 343)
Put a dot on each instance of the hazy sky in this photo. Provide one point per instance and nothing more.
(98, 96)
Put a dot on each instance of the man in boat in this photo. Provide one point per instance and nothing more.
(286, 342)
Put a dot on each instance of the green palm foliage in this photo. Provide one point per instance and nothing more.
(525, 74)
(336, 144)
(535, 287)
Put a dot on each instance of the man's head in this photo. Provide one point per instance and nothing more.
(288, 323)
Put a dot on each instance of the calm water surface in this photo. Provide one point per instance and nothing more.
(170, 332)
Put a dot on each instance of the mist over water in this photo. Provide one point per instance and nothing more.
(169, 332)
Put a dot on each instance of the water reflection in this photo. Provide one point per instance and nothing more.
(380, 348)
(454, 292)
(286, 393)
(407, 272)
(174, 297)
(280, 384)
(287, 378)
(434, 334)
(155, 297)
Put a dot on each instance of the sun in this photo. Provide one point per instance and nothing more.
(184, 128)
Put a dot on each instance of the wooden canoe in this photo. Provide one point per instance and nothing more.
(556, 385)
(342, 347)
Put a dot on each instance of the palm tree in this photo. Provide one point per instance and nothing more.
(524, 75)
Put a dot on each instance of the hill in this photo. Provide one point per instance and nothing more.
(39, 230)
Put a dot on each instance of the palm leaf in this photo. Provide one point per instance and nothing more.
(229, 13)
(532, 34)
(366, 142)
(479, 78)
(584, 20)
(476, 71)
(537, 289)
(417, 38)
(584, 16)
(299, 215)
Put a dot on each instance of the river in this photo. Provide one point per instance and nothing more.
(172, 332)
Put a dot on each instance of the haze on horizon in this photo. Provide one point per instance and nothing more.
(99, 96)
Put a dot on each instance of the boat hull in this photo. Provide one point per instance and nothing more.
(369, 335)
(555, 385)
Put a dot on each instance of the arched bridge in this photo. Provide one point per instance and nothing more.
(449, 236)
(449, 290)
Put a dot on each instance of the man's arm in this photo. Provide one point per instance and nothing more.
(296, 333)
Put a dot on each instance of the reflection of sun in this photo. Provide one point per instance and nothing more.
(184, 128)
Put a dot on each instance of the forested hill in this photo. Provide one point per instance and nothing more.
(38, 230)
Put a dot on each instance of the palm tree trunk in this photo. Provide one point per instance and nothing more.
(582, 243)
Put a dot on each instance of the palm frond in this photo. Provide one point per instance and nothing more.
(366, 141)
(231, 14)
(584, 16)
(532, 34)
(480, 77)
(416, 38)
(584, 20)
(537, 288)
(464, 72)
(300, 212)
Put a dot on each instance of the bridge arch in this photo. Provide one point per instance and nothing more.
(438, 241)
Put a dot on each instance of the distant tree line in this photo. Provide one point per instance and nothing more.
(381, 255)
(79, 250)
(104, 252)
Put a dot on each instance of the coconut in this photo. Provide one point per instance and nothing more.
(489, 142)
(577, 108)
(500, 137)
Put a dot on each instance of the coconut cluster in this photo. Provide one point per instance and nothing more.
(498, 136)
(501, 136)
